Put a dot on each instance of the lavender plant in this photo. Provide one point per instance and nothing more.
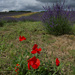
(56, 20)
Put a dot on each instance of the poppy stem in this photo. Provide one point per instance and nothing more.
(34, 70)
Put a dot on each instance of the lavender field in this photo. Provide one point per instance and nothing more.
(34, 17)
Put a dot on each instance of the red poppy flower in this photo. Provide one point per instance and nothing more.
(57, 62)
(16, 69)
(34, 62)
(22, 38)
(35, 49)
(17, 65)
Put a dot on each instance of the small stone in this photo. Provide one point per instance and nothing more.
(27, 57)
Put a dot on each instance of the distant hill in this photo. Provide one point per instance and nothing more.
(14, 12)
(20, 11)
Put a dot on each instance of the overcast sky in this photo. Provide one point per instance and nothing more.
(30, 5)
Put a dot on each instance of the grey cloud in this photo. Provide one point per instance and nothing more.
(9, 4)
(53, 1)
(70, 3)
(32, 8)
(32, 5)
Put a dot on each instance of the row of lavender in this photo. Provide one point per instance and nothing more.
(34, 17)
(5, 14)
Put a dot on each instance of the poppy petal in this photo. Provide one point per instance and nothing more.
(31, 63)
(20, 39)
(36, 49)
(36, 65)
(28, 66)
(35, 46)
(23, 38)
(17, 65)
(33, 52)
(34, 58)
(16, 70)
(57, 62)
(38, 62)
(39, 49)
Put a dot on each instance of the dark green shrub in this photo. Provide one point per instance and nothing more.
(62, 27)
(2, 23)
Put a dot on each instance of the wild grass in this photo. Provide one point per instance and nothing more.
(13, 52)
